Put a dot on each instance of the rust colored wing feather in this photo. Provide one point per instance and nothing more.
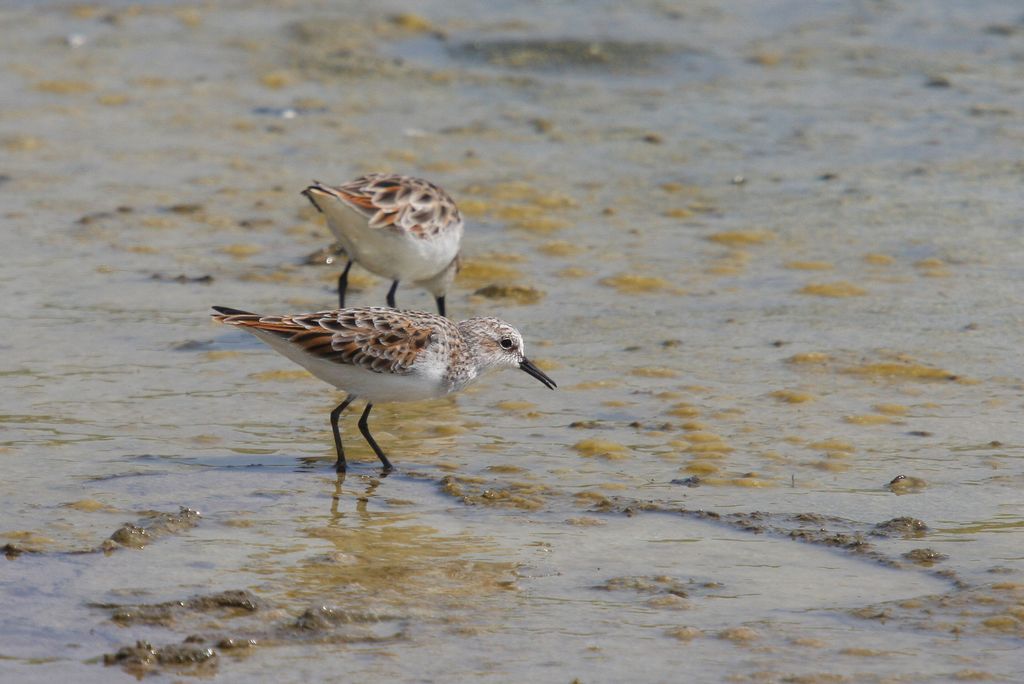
(377, 339)
(403, 203)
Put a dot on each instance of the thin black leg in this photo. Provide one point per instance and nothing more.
(365, 429)
(343, 285)
(391, 294)
(440, 305)
(339, 465)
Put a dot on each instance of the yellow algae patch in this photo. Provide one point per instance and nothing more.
(809, 358)
(473, 207)
(602, 448)
(742, 237)
(684, 633)
(277, 79)
(595, 384)
(504, 469)
(285, 375)
(584, 521)
(282, 276)
(559, 248)
(684, 410)
(402, 156)
(631, 283)
(932, 268)
(864, 652)
(831, 466)
(189, 17)
(792, 396)
(22, 143)
(448, 430)
(546, 364)
(704, 437)
(89, 506)
(701, 468)
(891, 409)
(1002, 623)
(158, 222)
(241, 250)
(676, 187)
(867, 419)
(483, 272)
(221, 354)
(694, 425)
(112, 99)
(679, 213)
(520, 294)
(840, 288)
(879, 259)
(751, 480)
(512, 405)
(739, 634)
(654, 372)
(701, 207)
(573, 272)
(833, 444)
(710, 449)
(591, 497)
(412, 23)
(27, 537)
(63, 87)
(521, 191)
(729, 264)
(907, 370)
(540, 224)
(808, 265)
(808, 642)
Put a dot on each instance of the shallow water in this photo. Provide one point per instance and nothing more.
(768, 250)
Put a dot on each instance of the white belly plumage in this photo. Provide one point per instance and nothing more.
(386, 252)
(425, 382)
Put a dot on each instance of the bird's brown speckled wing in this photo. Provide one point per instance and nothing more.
(377, 339)
(411, 205)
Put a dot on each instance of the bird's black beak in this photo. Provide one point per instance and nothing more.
(529, 368)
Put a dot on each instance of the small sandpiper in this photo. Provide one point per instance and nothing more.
(398, 227)
(385, 355)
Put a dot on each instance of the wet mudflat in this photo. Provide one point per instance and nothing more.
(769, 251)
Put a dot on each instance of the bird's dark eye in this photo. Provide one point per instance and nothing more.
(506, 343)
